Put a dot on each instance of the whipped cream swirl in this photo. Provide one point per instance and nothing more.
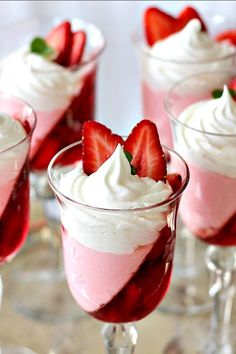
(216, 151)
(187, 52)
(11, 132)
(113, 186)
(42, 83)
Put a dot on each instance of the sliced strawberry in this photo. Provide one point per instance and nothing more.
(175, 181)
(229, 36)
(60, 39)
(144, 145)
(157, 25)
(186, 15)
(77, 49)
(98, 145)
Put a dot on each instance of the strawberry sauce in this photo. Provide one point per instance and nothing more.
(14, 221)
(68, 129)
(146, 288)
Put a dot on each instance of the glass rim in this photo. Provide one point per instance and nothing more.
(91, 59)
(144, 49)
(63, 196)
(32, 127)
(172, 117)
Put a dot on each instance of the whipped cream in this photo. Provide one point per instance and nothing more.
(42, 83)
(187, 52)
(12, 155)
(113, 186)
(214, 152)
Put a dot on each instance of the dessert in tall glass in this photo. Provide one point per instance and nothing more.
(56, 73)
(17, 121)
(170, 49)
(118, 204)
(205, 134)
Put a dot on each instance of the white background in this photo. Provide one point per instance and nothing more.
(119, 103)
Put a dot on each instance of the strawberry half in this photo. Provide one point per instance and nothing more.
(175, 181)
(229, 36)
(60, 39)
(98, 144)
(77, 49)
(186, 15)
(157, 25)
(144, 145)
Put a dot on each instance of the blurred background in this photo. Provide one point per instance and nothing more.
(119, 103)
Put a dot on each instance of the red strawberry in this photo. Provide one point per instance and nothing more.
(144, 145)
(186, 15)
(175, 181)
(60, 39)
(98, 145)
(232, 84)
(157, 25)
(229, 36)
(77, 49)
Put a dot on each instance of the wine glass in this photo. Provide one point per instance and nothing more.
(17, 121)
(110, 283)
(208, 208)
(63, 98)
(157, 75)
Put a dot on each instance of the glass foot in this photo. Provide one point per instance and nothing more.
(15, 349)
(40, 288)
(195, 340)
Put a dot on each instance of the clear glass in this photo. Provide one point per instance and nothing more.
(55, 129)
(14, 190)
(142, 276)
(208, 207)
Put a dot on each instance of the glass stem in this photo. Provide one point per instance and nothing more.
(119, 338)
(222, 263)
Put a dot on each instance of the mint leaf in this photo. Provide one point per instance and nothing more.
(217, 93)
(40, 46)
(130, 158)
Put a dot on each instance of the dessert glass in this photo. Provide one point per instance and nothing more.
(59, 123)
(153, 92)
(116, 288)
(208, 208)
(14, 189)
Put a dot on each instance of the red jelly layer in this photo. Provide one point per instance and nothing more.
(146, 288)
(14, 222)
(68, 129)
(226, 236)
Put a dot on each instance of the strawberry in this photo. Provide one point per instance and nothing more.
(98, 144)
(229, 36)
(147, 155)
(77, 48)
(186, 15)
(175, 181)
(157, 25)
(232, 84)
(60, 39)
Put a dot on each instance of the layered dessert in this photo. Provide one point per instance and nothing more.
(118, 246)
(14, 186)
(56, 76)
(174, 49)
(206, 137)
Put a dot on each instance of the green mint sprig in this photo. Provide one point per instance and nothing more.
(40, 46)
(217, 93)
(130, 158)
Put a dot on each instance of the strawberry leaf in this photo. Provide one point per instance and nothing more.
(217, 93)
(129, 158)
(40, 46)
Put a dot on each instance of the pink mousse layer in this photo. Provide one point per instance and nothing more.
(153, 109)
(96, 277)
(46, 121)
(208, 202)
